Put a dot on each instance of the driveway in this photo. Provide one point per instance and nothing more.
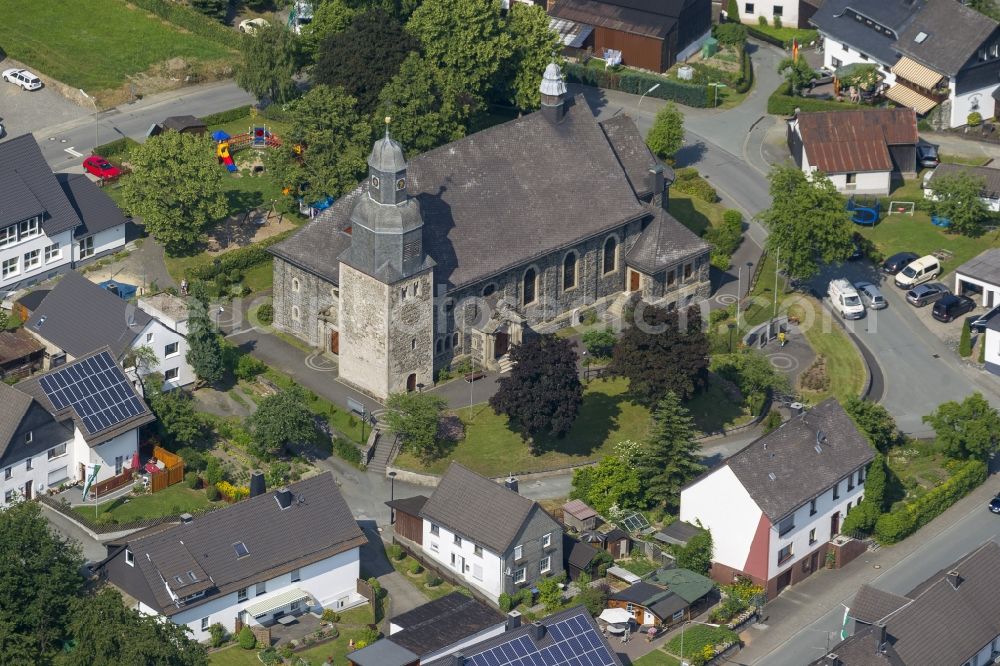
(22, 112)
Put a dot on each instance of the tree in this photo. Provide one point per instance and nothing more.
(798, 73)
(217, 9)
(752, 372)
(669, 457)
(415, 417)
(610, 485)
(875, 422)
(329, 18)
(661, 352)
(175, 187)
(39, 576)
(535, 45)
(176, 418)
(732, 11)
(599, 342)
(550, 592)
(967, 429)
(281, 419)
(204, 353)
(965, 341)
(335, 139)
(542, 393)
(364, 57)
(144, 360)
(956, 198)
(594, 597)
(873, 504)
(425, 108)
(807, 220)
(666, 136)
(464, 38)
(986, 7)
(268, 61)
(106, 633)
(697, 554)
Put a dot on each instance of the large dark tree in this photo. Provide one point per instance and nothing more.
(281, 419)
(969, 429)
(268, 61)
(669, 457)
(661, 352)
(204, 352)
(542, 393)
(362, 58)
(39, 576)
(875, 422)
(106, 633)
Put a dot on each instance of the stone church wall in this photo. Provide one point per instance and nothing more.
(411, 332)
(312, 295)
(364, 329)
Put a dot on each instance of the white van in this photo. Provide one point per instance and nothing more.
(845, 299)
(922, 270)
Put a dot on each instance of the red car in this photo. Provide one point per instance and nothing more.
(101, 168)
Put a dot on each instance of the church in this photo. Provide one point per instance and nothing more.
(465, 249)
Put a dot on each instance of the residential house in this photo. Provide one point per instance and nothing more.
(859, 151)
(791, 13)
(774, 506)
(979, 277)
(78, 316)
(951, 619)
(280, 553)
(20, 354)
(990, 177)
(931, 53)
(55, 427)
(579, 517)
(992, 341)
(49, 222)
(432, 631)
(649, 34)
(482, 534)
(669, 597)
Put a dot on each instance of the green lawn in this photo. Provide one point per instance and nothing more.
(335, 649)
(695, 214)
(259, 277)
(172, 501)
(786, 35)
(713, 411)
(657, 658)
(843, 362)
(95, 45)
(418, 581)
(639, 566)
(918, 467)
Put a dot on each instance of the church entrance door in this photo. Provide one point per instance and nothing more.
(633, 280)
(502, 344)
(334, 342)
(411, 383)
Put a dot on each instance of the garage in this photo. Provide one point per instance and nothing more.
(979, 278)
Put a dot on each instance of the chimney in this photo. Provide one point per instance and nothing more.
(832, 660)
(882, 638)
(257, 483)
(511, 483)
(537, 631)
(797, 408)
(457, 659)
(553, 91)
(186, 518)
(284, 498)
(658, 186)
(513, 620)
(954, 579)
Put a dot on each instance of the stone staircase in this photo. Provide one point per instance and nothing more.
(505, 363)
(383, 446)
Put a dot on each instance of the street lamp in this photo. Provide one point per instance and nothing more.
(655, 86)
(732, 327)
(717, 86)
(97, 118)
(392, 496)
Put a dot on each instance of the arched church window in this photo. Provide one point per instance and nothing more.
(569, 271)
(530, 278)
(610, 254)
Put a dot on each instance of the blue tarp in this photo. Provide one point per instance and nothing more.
(220, 135)
(120, 289)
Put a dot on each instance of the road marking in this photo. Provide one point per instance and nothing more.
(73, 152)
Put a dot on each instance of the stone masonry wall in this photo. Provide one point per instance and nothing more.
(312, 295)
(411, 332)
(364, 332)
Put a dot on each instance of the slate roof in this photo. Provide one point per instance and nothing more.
(640, 17)
(664, 243)
(990, 176)
(181, 123)
(578, 509)
(632, 153)
(861, 649)
(28, 188)
(831, 19)
(443, 622)
(872, 604)
(855, 141)
(580, 553)
(382, 653)
(311, 530)
(677, 533)
(954, 34)
(14, 405)
(512, 186)
(984, 266)
(409, 505)
(32, 299)
(78, 316)
(478, 508)
(790, 455)
(96, 210)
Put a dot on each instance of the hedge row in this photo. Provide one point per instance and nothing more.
(189, 19)
(746, 73)
(116, 148)
(782, 103)
(638, 83)
(907, 519)
(689, 181)
(763, 36)
(238, 260)
(223, 117)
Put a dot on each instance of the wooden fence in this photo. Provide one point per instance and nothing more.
(114, 483)
(172, 472)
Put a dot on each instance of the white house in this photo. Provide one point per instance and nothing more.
(773, 507)
(931, 53)
(980, 277)
(990, 192)
(49, 222)
(54, 427)
(78, 316)
(792, 13)
(482, 534)
(274, 554)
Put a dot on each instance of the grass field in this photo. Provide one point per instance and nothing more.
(657, 658)
(95, 45)
(174, 500)
(695, 214)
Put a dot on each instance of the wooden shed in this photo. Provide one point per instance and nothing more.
(579, 517)
(406, 519)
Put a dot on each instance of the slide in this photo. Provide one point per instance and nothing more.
(230, 164)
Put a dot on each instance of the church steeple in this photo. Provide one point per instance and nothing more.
(553, 90)
(387, 171)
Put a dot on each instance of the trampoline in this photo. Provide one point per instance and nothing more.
(864, 213)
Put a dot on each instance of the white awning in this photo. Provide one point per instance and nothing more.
(911, 98)
(615, 615)
(916, 73)
(281, 600)
(570, 33)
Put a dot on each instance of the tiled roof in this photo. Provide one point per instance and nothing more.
(632, 152)
(478, 508)
(409, 505)
(834, 19)
(984, 266)
(14, 406)
(855, 141)
(664, 243)
(661, 602)
(443, 622)
(800, 459)
(872, 604)
(28, 187)
(581, 554)
(95, 209)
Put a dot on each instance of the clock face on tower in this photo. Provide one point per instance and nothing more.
(401, 184)
(374, 181)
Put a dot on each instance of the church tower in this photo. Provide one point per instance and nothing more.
(553, 91)
(386, 284)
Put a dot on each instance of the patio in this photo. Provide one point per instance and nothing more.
(304, 625)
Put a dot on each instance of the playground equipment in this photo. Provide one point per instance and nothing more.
(901, 207)
(863, 212)
(942, 222)
(257, 137)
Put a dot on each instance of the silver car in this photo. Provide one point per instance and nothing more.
(871, 295)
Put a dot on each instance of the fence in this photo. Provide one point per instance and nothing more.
(114, 483)
(172, 472)
(102, 527)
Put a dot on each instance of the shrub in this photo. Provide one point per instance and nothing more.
(213, 494)
(330, 615)
(505, 602)
(782, 103)
(395, 552)
(347, 450)
(725, 238)
(732, 11)
(247, 640)
(524, 598)
(222, 117)
(369, 635)
(265, 314)
(270, 657)
(731, 34)
(213, 471)
(982, 349)
(762, 21)
(965, 343)
(432, 580)
(191, 480)
(239, 260)
(777, 22)
(218, 634)
(248, 367)
(631, 81)
(771, 421)
(416, 569)
(232, 492)
(118, 148)
(689, 181)
(975, 119)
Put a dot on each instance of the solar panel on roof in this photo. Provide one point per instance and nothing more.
(97, 391)
(569, 642)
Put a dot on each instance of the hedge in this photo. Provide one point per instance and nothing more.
(907, 519)
(782, 103)
(238, 260)
(189, 19)
(746, 74)
(223, 117)
(116, 148)
(689, 181)
(637, 83)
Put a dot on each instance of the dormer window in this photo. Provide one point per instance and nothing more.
(129, 558)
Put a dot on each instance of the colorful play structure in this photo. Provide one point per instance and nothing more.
(864, 213)
(255, 137)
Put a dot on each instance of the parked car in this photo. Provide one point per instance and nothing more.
(978, 324)
(922, 270)
(101, 168)
(927, 155)
(23, 78)
(250, 26)
(951, 306)
(995, 504)
(871, 295)
(845, 300)
(898, 262)
(923, 294)
(823, 75)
